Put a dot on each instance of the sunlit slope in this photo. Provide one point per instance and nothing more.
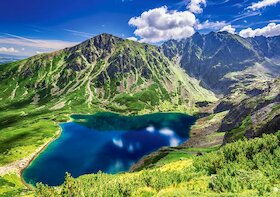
(104, 72)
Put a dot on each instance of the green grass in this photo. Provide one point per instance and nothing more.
(239, 132)
(169, 154)
(11, 185)
(180, 153)
(22, 133)
(275, 108)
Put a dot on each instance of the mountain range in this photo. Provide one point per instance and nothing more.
(221, 60)
(114, 74)
(230, 83)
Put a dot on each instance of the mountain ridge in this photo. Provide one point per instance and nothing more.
(214, 58)
(104, 67)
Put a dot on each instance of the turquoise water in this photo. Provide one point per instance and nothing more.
(107, 142)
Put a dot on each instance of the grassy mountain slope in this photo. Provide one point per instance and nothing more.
(4, 59)
(104, 72)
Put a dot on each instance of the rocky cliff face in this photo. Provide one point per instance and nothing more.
(268, 47)
(221, 60)
(257, 113)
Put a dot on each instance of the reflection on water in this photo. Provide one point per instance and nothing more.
(81, 149)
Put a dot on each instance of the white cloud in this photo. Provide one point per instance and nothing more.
(31, 46)
(210, 25)
(245, 15)
(274, 21)
(45, 44)
(195, 6)
(80, 33)
(132, 38)
(160, 24)
(263, 4)
(229, 29)
(272, 29)
(8, 50)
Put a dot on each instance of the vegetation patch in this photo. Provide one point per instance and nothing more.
(239, 132)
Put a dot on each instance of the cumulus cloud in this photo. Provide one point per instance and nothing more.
(272, 29)
(160, 24)
(132, 38)
(8, 50)
(263, 4)
(210, 25)
(195, 6)
(229, 29)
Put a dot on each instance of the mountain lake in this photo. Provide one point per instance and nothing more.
(105, 142)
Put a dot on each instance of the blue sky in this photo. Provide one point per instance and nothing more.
(30, 27)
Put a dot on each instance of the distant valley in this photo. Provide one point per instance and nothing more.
(4, 59)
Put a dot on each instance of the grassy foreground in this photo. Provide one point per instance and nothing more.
(242, 168)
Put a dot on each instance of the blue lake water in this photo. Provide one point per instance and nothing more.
(106, 142)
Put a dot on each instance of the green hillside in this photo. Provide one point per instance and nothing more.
(104, 72)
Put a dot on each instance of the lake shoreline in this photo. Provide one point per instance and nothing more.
(38, 152)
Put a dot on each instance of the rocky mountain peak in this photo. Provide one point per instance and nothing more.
(94, 49)
(104, 41)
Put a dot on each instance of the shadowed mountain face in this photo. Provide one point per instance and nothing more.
(223, 60)
(268, 47)
(253, 110)
(104, 72)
